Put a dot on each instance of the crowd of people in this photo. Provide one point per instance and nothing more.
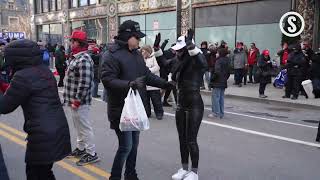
(154, 71)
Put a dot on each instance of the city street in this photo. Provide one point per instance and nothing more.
(255, 141)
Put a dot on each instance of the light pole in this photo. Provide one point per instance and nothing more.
(179, 16)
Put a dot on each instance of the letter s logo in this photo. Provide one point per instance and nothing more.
(293, 27)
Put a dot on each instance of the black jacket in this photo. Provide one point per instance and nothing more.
(315, 67)
(296, 64)
(221, 73)
(119, 67)
(34, 88)
(96, 65)
(189, 71)
(60, 61)
(264, 69)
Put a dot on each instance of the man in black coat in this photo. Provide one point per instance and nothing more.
(34, 88)
(296, 67)
(123, 67)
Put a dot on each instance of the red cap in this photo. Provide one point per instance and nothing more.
(79, 35)
(266, 52)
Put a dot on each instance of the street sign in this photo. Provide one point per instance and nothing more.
(17, 35)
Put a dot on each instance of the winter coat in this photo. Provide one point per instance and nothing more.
(120, 66)
(96, 66)
(296, 64)
(207, 54)
(264, 69)
(153, 66)
(189, 70)
(60, 61)
(221, 73)
(239, 59)
(253, 56)
(315, 71)
(284, 55)
(34, 88)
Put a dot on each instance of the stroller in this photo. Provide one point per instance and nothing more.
(281, 79)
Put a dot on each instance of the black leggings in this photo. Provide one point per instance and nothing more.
(188, 121)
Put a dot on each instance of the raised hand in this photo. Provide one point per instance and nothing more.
(157, 41)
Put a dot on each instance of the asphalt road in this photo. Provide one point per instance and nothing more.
(255, 141)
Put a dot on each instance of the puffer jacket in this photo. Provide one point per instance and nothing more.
(153, 66)
(120, 66)
(34, 88)
(296, 64)
(221, 73)
(239, 59)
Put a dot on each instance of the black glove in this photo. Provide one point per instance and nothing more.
(189, 38)
(157, 41)
(139, 83)
(170, 85)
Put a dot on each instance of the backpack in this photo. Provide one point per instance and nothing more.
(46, 57)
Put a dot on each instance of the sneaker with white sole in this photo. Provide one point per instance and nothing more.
(180, 174)
(88, 159)
(191, 176)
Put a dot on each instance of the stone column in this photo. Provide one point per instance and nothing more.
(112, 20)
(186, 16)
(307, 9)
(31, 7)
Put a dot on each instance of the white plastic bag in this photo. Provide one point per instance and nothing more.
(307, 86)
(134, 116)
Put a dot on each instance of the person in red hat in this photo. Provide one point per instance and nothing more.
(264, 72)
(77, 95)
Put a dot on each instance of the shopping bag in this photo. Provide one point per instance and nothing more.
(134, 116)
(281, 79)
(308, 87)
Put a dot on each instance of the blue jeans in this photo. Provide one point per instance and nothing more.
(127, 153)
(95, 88)
(218, 102)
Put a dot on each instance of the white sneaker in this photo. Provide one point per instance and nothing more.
(179, 175)
(191, 176)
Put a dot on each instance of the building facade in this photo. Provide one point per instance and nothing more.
(213, 20)
(12, 18)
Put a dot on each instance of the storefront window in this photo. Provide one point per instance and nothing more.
(58, 4)
(93, 2)
(50, 33)
(38, 6)
(74, 3)
(83, 2)
(45, 4)
(53, 5)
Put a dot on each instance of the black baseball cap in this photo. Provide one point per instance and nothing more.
(132, 28)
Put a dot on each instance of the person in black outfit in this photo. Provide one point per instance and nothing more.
(315, 74)
(264, 68)
(34, 88)
(123, 67)
(296, 70)
(95, 55)
(188, 75)
(60, 64)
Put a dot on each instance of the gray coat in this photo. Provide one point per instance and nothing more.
(239, 59)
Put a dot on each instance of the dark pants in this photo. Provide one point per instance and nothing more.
(262, 88)
(61, 72)
(3, 168)
(252, 73)
(244, 76)
(238, 75)
(155, 97)
(39, 172)
(127, 153)
(293, 86)
(95, 87)
(189, 115)
(167, 94)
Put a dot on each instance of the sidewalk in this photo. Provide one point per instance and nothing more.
(250, 92)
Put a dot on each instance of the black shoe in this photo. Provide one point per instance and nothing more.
(159, 117)
(77, 153)
(88, 159)
(165, 104)
(133, 177)
(250, 82)
(294, 98)
(97, 96)
(318, 139)
(285, 97)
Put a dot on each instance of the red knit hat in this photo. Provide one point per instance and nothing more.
(266, 52)
(79, 35)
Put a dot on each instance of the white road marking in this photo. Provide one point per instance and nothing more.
(251, 131)
(268, 119)
(257, 133)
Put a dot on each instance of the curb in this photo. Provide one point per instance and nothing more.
(266, 101)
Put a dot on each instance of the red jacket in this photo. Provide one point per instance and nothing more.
(253, 56)
(3, 87)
